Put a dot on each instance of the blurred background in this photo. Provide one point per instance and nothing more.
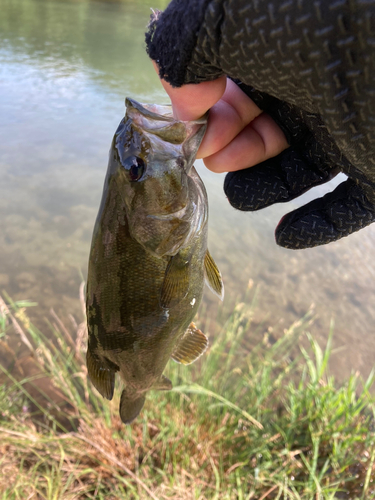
(66, 67)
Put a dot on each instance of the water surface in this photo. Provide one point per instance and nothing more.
(65, 69)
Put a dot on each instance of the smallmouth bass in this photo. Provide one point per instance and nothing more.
(149, 259)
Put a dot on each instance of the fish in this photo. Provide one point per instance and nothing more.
(149, 259)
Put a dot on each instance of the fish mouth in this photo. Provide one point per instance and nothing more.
(174, 215)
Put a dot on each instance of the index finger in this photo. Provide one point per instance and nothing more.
(193, 100)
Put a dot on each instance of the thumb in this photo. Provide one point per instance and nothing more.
(191, 101)
(335, 215)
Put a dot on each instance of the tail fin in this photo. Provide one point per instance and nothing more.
(130, 407)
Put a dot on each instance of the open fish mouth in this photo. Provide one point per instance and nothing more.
(178, 214)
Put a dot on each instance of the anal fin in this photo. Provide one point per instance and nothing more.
(130, 407)
(191, 345)
(101, 376)
(213, 276)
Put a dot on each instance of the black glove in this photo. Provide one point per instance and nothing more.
(313, 65)
(311, 160)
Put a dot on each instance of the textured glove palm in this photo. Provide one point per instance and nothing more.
(308, 162)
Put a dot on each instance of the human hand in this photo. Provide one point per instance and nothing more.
(311, 65)
(239, 135)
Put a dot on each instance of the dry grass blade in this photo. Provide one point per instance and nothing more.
(16, 325)
(114, 460)
(234, 466)
(30, 437)
(268, 492)
(63, 328)
(197, 389)
(82, 298)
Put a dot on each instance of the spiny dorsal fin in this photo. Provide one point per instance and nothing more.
(129, 407)
(213, 276)
(102, 377)
(176, 282)
(191, 345)
(163, 384)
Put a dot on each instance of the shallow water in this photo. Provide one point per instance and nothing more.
(65, 69)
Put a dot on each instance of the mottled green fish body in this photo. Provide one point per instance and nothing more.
(149, 257)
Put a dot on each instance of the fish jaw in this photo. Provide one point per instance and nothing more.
(161, 206)
(165, 133)
(157, 120)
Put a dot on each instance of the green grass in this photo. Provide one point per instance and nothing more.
(240, 423)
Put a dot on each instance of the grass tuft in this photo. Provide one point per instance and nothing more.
(240, 423)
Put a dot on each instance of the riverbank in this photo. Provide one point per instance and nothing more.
(239, 424)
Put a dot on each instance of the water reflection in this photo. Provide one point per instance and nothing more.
(65, 68)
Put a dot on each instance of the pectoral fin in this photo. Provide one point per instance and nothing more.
(213, 276)
(191, 345)
(162, 384)
(129, 407)
(176, 281)
(101, 376)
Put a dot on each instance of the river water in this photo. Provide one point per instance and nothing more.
(65, 68)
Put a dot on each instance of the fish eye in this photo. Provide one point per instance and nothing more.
(180, 162)
(135, 166)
